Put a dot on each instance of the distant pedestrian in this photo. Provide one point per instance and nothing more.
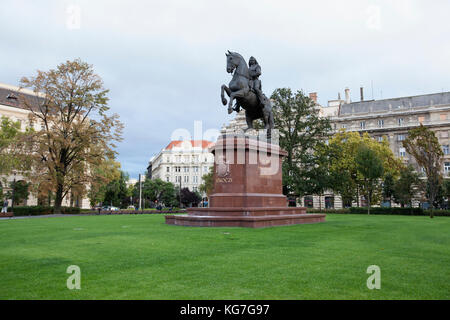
(5, 206)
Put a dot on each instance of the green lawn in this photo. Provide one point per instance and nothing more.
(139, 257)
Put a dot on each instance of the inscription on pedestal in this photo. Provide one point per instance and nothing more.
(224, 180)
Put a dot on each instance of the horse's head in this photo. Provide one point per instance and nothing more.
(233, 60)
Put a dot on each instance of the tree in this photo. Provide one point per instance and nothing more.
(9, 135)
(370, 166)
(116, 191)
(106, 172)
(157, 190)
(302, 131)
(189, 198)
(208, 182)
(388, 188)
(76, 133)
(423, 145)
(407, 187)
(20, 189)
(345, 178)
(446, 190)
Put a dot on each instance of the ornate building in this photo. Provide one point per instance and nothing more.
(391, 118)
(12, 108)
(183, 163)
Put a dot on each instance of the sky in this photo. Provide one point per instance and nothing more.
(164, 61)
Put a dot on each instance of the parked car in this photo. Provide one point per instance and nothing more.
(131, 208)
(110, 208)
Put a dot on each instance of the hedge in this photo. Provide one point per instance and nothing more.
(41, 210)
(384, 210)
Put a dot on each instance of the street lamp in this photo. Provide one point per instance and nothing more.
(13, 189)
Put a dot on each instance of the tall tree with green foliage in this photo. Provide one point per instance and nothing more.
(117, 193)
(407, 187)
(345, 178)
(9, 134)
(157, 190)
(388, 188)
(370, 166)
(76, 132)
(424, 146)
(302, 132)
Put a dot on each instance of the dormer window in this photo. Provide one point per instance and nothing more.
(11, 96)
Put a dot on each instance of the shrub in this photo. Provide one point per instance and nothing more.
(314, 210)
(41, 210)
(389, 211)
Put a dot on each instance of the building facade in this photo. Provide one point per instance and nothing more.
(385, 118)
(12, 108)
(183, 163)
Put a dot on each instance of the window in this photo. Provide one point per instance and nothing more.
(445, 149)
(195, 169)
(362, 124)
(167, 179)
(309, 202)
(195, 179)
(401, 137)
(402, 152)
(444, 134)
(167, 169)
(177, 169)
(447, 167)
(329, 202)
(186, 179)
(380, 123)
(344, 126)
(186, 169)
(177, 178)
(195, 189)
(205, 169)
(400, 121)
(380, 138)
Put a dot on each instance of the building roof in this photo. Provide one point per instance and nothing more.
(11, 96)
(385, 105)
(204, 144)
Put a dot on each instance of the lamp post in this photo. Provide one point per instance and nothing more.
(180, 192)
(13, 190)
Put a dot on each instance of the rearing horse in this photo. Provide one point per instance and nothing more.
(239, 89)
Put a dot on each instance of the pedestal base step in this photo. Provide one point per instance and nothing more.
(244, 221)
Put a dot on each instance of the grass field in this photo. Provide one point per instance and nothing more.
(139, 257)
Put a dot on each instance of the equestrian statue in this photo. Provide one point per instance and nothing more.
(245, 87)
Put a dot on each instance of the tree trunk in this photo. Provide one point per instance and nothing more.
(58, 199)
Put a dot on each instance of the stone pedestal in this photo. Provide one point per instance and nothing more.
(247, 188)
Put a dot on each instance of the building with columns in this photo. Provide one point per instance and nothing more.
(183, 163)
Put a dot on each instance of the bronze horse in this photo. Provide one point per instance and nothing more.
(239, 89)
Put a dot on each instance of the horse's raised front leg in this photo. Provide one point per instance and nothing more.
(228, 91)
(237, 94)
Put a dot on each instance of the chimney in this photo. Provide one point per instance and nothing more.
(313, 96)
(361, 90)
(347, 95)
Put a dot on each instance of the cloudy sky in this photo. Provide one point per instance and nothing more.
(164, 61)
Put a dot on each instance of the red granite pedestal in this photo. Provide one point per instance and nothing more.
(247, 189)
